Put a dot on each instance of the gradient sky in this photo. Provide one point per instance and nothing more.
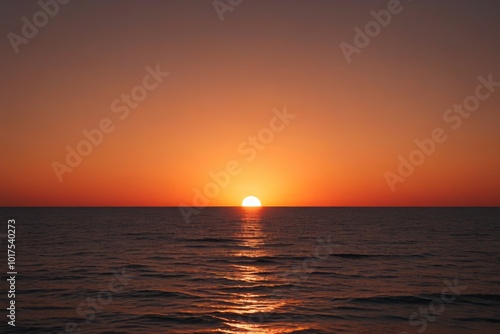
(352, 121)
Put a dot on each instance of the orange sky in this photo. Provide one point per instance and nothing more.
(225, 79)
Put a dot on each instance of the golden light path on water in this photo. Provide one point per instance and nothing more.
(253, 307)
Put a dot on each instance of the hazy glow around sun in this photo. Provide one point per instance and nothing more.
(251, 201)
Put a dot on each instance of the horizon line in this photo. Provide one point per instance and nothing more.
(239, 206)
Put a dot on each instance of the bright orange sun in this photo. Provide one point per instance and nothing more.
(251, 201)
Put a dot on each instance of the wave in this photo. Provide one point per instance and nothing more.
(362, 256)
(477, 299)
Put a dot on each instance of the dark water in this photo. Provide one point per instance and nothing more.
(273, 270)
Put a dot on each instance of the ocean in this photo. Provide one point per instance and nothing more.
(267, 270)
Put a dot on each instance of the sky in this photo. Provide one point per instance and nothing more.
(300, 103)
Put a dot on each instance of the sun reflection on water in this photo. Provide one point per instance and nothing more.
(257, 301)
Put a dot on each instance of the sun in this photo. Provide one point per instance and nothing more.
(251, 201)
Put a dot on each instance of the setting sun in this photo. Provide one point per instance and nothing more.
(251, 201)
